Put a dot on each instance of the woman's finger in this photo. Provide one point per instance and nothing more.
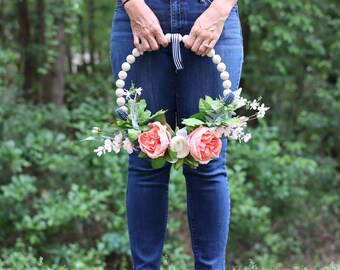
(138, 45)
(145, 44)
(205, 48)
(196, 46)
(161, 39)
(152, 42)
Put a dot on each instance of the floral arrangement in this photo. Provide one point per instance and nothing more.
(198, 142)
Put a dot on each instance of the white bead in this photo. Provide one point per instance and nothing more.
(224, 75)
(122, 75)
(135, 52)
(216, 59)
(185, 38)
(130, 59)
(226, 84)
(126, 66)
(124, 108)
(180, 38)
(168, 37)
(119, 92)
(211, 53)
(120, 83)
(120, 101)
(221, 67)
(226, 92)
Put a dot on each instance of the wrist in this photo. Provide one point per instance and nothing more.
(131, 3)
(222, 8)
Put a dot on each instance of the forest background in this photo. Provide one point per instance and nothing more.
(62, 207)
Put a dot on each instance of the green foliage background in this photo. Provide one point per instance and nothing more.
(61, 207)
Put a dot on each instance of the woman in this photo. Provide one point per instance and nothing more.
(143, 24)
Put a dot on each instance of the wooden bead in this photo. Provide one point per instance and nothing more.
(221, 67)
(122, 75)
(168, 37)
(130, 59)
(126, 66)
(211, 53)
(119, 92)
(216, 59)
(185, 38)
(226, 84)
(120, 83)
(120, 101)
(135, 52)
(224, 75)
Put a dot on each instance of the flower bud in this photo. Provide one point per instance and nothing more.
(228, 99)
(121, 113)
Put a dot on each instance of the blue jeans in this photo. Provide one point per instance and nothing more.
(178, 91)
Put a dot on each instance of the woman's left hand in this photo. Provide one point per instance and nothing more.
(208, 28)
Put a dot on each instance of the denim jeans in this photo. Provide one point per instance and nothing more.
(178, 91)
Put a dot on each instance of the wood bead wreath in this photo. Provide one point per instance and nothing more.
(135, 128)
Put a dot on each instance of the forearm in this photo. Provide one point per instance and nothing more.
(223, 7)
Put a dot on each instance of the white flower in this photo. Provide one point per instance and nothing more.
(139, 91)
(254, 104)
(219, 131)
(95, 130)
(128, 146)
(240, 102)
(118, 138)
(100, 150)
(127, 93)
(182, 132)
(179, 144)
(236, 133)
(108, 145)
(237, 93)
(116, 147)
(244, 118)
(262, 111)
(246, 137)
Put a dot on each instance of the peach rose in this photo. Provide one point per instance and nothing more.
(155, 141)
(204, 145)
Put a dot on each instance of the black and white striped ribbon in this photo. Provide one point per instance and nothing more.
(176, 51)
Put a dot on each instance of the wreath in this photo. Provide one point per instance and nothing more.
(135, 128)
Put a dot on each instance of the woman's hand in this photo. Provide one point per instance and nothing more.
(208, 27)
(146, 29)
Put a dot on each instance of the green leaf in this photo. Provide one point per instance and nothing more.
(192, 122)
(158, 162)
(172, 154)
(179, 164)
(191, 162)
(133, 134)
(204, 106)
(91, 138)
(199, 115)
(142, 155)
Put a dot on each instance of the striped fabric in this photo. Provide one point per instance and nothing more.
(176, 51)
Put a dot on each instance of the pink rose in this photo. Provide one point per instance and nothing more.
(155, 141)
(204, 145)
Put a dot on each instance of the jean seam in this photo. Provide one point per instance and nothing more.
(192, 223)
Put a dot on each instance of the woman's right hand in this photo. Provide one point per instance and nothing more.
(146, 29)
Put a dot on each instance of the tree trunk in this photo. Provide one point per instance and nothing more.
(54, 92)
(28, 60)
(91, 32)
